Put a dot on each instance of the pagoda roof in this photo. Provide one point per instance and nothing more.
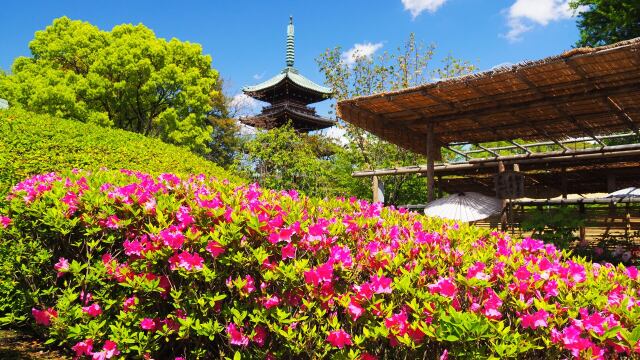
(302, 119)
(290, 74)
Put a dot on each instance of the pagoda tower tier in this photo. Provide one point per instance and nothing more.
(288, 94)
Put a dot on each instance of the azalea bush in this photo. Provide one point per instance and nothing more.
(124, 264)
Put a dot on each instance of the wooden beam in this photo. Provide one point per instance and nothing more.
(465, 155)
(374, 188)
(430, 163)
(623, 115)
(520, 146)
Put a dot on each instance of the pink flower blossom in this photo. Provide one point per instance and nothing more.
(445, 287)
(339, 338)
(288, 252)
(109, 350)
(83, 348)
(133, 247)
(215, 249)
(92, 310)
(522, 273)
(322, 273)
(113, 222)
(476, 271)
(62, 266)
(576, 272)
(445, 355)
(186, 261)
(236, 337)
(281, 235)
(172, 237)
(341, 254)
(355, 310)
(260, 336)
(43, 317)
(535, 320)
(271, 302)
(4, 222)
(129, 303)
(250, 285)
(148, 324)
(380, 284)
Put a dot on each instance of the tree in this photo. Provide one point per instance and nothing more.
(125, 78)
(409, 65)
(604, 22)
(284, 159)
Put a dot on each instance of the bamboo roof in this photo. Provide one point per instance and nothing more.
(582, 92)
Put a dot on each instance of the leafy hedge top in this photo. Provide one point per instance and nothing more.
(32, 144)
(124, 263)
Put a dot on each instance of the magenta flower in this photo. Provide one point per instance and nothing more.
(236, 337)
(322, 273)
(250, 285)
(132, 247)
(271, 302)
(380, 284)
(341, 254)
(339, 338)
(288, 252)
(148, 324)
(43, 317)
(172, 237)
(282, 235)
(62, 266)
(355, 310)
(113, 222)
(186, 261)
(109, 350)
(477, 271)
(215, 249)
(129, 303)
(445, 287)
(92, 310)
(522, 273)
(577, 272)
(260, 336)
(535, 320)
(83, 348)
(4, 222)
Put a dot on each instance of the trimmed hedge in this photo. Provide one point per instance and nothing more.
(32, 144)
(113, 264)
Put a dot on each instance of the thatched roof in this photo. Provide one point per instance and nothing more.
(582, 92)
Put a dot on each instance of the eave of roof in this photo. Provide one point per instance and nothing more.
(292, 75)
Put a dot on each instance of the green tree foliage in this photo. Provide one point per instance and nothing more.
(283, 159)
(604, 22)
(410, 65)
(125, 78)
(35, 143)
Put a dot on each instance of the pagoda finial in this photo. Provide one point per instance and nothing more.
(290, 49)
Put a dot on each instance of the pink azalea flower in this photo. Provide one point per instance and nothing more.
(129, 303)
(43, 317)
(260, 336)
(355, 310)
(289, 252)
(133, 247)
(215, 248)
(550, 289)
(632, 272)
(445, 355)
(83, 348)
(186, 261)
(109, 350)
(339, 338)
(341, 254)
(282, 235)
(380, 284)
(148, 324)
(492, 305)
(476, 271)
(172, 237)
(112, 222)
(271, 302)
(236, 337)
(522, 273)
(4, 222)
(250, 286)
(445, 287)
(577, 272)
(367, 356)
(62, 266)
(535, 320)
(322, 273)
(92, 310)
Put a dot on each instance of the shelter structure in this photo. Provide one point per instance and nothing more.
(567, 124)
(575, 105)
(289, 94)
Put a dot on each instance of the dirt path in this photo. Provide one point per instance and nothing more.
(15, 345)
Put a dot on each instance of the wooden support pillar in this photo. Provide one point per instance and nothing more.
(583, 230)
(611, 183)
(504, 216)
(439, 187)
(563, 182)
(430, 163)
(374, 188)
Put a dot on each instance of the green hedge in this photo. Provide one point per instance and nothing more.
(33, 144)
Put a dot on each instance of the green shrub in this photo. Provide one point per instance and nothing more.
(122, 262)
(32, 144)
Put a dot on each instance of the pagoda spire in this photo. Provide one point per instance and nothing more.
(290, 49)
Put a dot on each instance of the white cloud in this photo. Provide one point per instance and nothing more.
(523, 15)
(338, 133)
(258, 76)
(360, 50)
(416, 7)
(243, 105)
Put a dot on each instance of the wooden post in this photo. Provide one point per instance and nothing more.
(583, 230)
(439, 187)
(430, 163)
(374, 187)
(504, 215)
(563, 182)
(611, 183)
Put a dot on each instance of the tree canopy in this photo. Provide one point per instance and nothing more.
(604, 22)
(125, 78)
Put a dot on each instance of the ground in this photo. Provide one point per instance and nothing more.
(15, 345)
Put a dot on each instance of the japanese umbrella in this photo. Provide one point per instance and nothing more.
(626, 192)
(464, 206)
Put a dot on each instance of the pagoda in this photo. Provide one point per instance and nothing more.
(288, 94)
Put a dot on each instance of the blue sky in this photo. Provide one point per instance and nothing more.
(247, 38)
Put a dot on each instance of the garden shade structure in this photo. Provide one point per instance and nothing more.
(588, 93)
(464, 206)
(289, 93)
